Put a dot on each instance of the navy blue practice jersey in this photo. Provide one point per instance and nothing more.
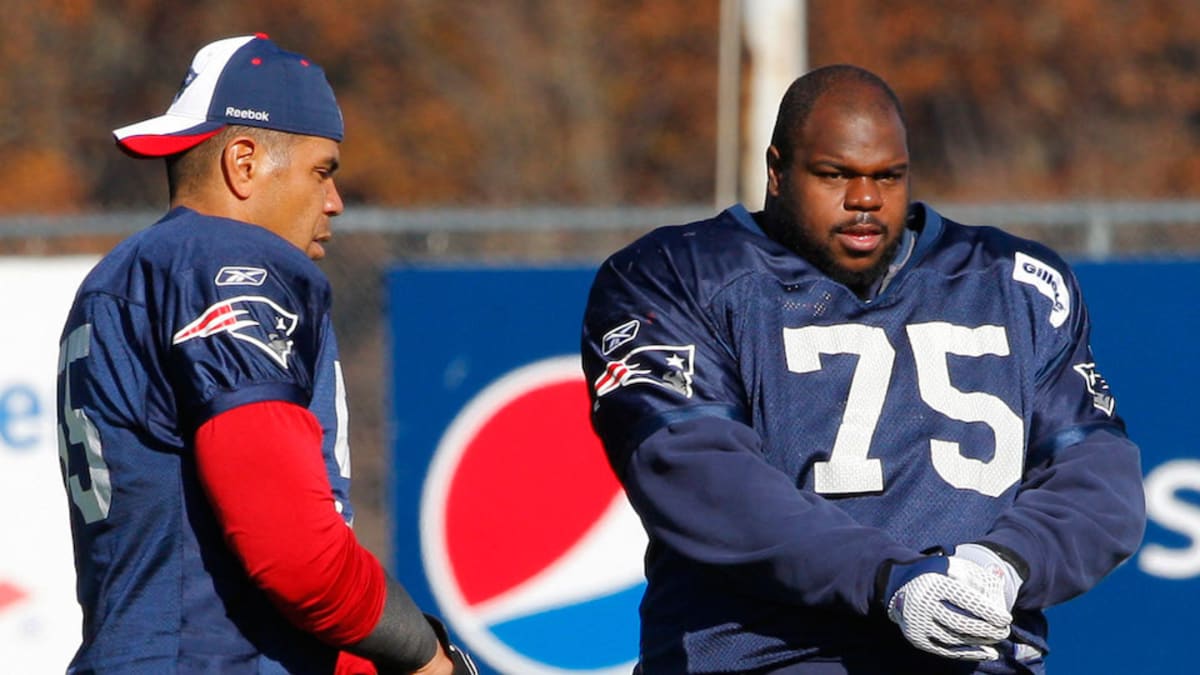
(185, 320)
(781, 437)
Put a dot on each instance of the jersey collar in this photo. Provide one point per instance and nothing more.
(922, 229)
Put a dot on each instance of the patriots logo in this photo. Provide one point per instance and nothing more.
(241, 276)
(1097, 386)
(232, 316)
(667, 366)
(619, 336)
(187, 79)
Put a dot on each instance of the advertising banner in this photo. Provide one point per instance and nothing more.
(508, 522)
(39, 618)
(507, 517)
(1145, 339)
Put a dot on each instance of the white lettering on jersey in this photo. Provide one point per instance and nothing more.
(1047, 281)
(76, 429)
(341, 444)
(619, 336)
(241, 276)
(666, 366)
(228, 316)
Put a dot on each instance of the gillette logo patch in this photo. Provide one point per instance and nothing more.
(1047, 281)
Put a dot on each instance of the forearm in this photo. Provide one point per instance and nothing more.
(1074, 520)
(402, 641)
(262, 469)
(702, 489)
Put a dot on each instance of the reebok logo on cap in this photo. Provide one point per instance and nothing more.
(248, 114)
(245, 80)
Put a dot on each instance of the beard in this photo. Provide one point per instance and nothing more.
(817, 253)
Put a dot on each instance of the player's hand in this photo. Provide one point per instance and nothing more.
(949, 606)
(463, 665)
(461, 662)
(1010, 580)
(440, 664)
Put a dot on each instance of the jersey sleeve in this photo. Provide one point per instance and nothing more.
(670, 409)
(1080, 509)
(240, 335)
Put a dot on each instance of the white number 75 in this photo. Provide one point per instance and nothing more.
(849, 469)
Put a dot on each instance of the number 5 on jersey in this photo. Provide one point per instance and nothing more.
(76, 432)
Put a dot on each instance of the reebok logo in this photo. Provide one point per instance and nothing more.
(619, 336)
(259, 115)
(241, 276)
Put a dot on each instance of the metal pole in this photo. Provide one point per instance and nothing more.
(776, 40)
(728, 89)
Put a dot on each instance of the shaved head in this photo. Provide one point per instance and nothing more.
(852, 85)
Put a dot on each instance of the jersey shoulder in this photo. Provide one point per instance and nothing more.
(696, 259)
(980, 246)
(1030, 269)
(192, 249)
(217, 304)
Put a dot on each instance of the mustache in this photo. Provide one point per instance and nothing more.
(858, 222)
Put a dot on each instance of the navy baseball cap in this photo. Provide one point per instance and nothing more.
(245, 80)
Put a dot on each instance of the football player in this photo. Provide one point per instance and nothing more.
(202, 410)
(862, 438)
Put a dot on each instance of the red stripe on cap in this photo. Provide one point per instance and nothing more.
(161, 146)
(262, 36)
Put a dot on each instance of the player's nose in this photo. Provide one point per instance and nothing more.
(333, 200)
(862, 194)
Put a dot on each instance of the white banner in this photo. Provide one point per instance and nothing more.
(39, 617)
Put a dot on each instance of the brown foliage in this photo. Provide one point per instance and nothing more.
(1029, 99)
(588, 102)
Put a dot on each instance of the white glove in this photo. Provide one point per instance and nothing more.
(951, 607)
(995, 566)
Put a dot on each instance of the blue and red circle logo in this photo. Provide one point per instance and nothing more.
(528, 542)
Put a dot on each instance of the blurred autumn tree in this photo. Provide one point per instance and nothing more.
(1030, 99)
(601, 103)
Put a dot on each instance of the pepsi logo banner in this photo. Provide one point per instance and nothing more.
(508, 519)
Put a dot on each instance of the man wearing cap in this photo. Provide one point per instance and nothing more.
(202, 412)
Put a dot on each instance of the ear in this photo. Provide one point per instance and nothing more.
(241, 161)
(775, 170)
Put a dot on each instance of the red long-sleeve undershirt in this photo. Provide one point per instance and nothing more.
(262, 468)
